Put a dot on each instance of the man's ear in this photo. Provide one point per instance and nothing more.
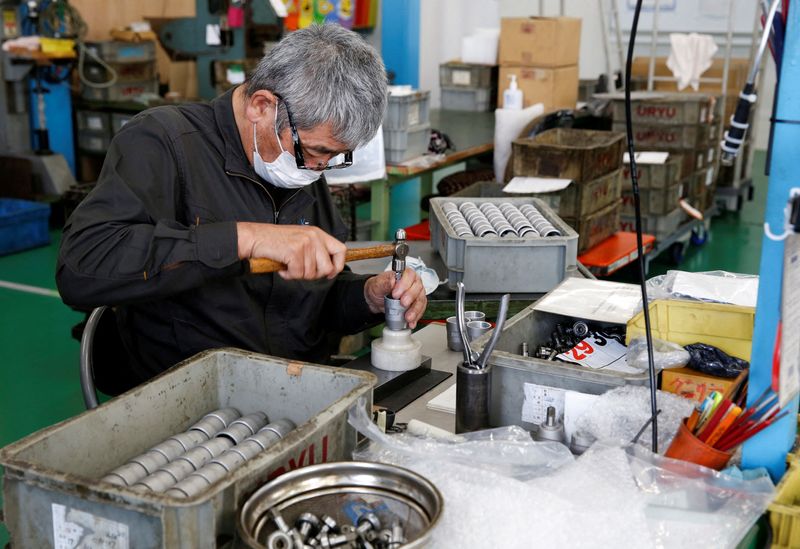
(260, 106)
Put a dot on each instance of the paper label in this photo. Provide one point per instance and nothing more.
(413, 114)
(599, 353)
(462, 78)
(536, 400)
(790, 327)
(74, 529)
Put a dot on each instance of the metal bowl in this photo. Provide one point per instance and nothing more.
(391, 492)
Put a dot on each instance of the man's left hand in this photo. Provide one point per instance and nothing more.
(409, 290)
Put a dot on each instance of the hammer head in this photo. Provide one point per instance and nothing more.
(400, 253)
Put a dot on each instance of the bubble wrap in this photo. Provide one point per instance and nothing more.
(620, 413)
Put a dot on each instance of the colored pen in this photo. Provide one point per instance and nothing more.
(724, 425)
(714, 420)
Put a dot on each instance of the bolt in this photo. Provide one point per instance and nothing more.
(307, 525)
(398, 535)
(367, 522)
(279, 521)
(338, 540)
(328, 525)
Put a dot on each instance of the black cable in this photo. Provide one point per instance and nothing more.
(637, 208)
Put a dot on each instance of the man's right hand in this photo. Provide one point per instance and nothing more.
(308, 252)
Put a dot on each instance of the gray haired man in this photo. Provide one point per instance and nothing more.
(188, 192)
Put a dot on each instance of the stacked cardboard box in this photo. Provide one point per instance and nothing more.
(543, 53)
(593, 161)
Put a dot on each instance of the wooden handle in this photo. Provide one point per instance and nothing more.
(263, 265)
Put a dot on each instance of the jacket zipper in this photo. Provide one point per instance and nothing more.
(263, 188)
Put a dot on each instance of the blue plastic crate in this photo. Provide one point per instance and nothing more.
(23, 225)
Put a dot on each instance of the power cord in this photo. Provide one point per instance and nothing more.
(637, 208)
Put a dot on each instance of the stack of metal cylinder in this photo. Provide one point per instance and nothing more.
(493, 220)
(187, 463)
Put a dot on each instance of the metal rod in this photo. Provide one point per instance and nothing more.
(651, 71)
(606, 48)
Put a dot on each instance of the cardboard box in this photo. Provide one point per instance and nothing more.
(182, 79)
(692, 384)
(555, 88)
(595, 227)
(540, 41)
(737, 74)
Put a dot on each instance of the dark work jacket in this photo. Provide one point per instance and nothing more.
(157, 238)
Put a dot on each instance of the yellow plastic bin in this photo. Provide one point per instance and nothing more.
(784, 511)
(728, 327)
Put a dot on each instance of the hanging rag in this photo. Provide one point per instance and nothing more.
(690, 56)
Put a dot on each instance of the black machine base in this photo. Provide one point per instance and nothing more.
(396, 390)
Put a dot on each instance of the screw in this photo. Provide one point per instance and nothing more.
(279, 521)
(328, 525)
(306, 524)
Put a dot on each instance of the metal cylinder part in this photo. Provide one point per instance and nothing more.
(151, 461)
(280, 427)
(552, 429)
(473, 393)
(524, 350)
(454, 342)
(215, 421)
(244, 427)
(230, 461)
(170, 449)
(254, 421)
(189, 439)
(476, 328)
(395, 313)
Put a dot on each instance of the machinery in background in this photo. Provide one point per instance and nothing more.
(218, 37)
(35, 109)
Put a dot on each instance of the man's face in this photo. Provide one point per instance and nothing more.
(318, 144)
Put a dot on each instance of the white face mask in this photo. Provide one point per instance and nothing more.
(283, 172)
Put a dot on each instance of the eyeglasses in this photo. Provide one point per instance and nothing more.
(299, 157)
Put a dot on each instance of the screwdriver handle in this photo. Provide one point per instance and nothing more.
(262, 265)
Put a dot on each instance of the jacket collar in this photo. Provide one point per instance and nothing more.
(236, 158)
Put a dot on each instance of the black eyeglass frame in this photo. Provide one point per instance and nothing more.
(299, 157)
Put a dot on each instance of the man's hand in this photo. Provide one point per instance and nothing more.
(308, 252)
(409, 290)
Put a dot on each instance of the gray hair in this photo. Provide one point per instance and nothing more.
(327, 74)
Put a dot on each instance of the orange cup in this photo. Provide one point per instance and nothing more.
(688, 447)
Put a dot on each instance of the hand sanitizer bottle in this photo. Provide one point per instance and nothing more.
(512, 96)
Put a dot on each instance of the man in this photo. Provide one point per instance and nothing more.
(188, 193)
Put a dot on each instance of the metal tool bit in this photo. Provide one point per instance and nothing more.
(400, 253)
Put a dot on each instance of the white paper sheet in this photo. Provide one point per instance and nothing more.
(599, 354)
(444, 401)
(597, 300)
(647, 157)
(528, 185)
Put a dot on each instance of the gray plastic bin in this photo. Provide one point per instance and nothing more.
(467, 99)
(122, 52)
(121, 91)
(530, 264)
(405, 111)
(511, 371)
(402, 145)
(93, 121)
(455, 74)
(51, 480)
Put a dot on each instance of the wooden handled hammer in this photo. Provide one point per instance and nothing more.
(399, 247)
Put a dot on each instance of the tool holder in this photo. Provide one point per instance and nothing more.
(473, 394)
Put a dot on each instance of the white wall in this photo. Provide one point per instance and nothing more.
(442, 25)
(444, 22)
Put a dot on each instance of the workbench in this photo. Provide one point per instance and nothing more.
(441, 303)
(472, 134)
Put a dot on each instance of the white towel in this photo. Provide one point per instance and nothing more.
(690, 56)
(508, 124)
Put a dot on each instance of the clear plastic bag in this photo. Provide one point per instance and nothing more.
(501, 489)
(711, 286)
(665, 354)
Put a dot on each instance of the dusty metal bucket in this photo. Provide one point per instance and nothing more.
(344, 491)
